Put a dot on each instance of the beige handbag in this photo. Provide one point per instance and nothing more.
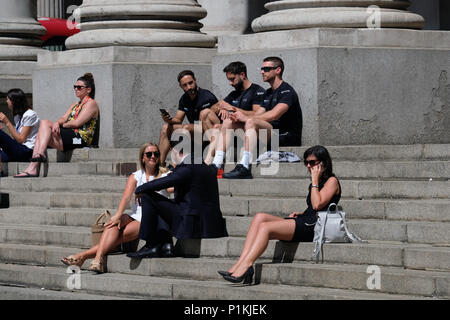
(99, 225)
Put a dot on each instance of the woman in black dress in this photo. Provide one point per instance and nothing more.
(299, 226)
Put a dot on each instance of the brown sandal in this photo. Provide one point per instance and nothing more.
(96, 266)
(72, 261)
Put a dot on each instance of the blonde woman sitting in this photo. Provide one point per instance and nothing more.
(124, 227)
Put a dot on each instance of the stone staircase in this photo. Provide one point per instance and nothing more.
(397, 197)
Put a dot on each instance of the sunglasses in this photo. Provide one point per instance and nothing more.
(75, 87)
(267, 69)
(312, 163)
(151, 153)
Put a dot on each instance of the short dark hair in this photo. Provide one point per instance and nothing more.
(88, 80)
(278, 62)
(19, 101)
(236, 67)
(322, 154)
(185, 73)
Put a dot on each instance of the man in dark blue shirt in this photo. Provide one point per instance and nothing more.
(246, 98)
(282, 112)
(195, 104)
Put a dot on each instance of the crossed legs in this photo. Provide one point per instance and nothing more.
(264, 227)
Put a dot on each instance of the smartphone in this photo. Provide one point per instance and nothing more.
(164, 112)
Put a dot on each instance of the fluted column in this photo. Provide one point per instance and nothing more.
(299, 14)
(50, 8)
(148, 23)
(19, 30)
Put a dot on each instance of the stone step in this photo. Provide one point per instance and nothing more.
(76, 168)
(21, 292)
(159, 287)
(355, 189)
(410, 256)
(353, 153)
(344, 169)
(81, 209)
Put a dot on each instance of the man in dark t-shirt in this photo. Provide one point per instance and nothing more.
(282, 112)
(246, 98)
(194, 104)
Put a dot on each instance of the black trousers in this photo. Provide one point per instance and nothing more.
(158, 217)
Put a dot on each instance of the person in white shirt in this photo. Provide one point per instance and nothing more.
(19, 146)
(124, 227)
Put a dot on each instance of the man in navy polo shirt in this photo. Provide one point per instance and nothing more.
(282, 112)
(246, 98)
(194, 104)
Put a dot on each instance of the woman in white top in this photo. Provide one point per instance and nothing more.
(124, 227)
(19, 147)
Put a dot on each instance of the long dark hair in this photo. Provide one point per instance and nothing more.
(88, 80)
(19, 101)
(321, 153)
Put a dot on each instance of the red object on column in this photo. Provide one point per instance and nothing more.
(57, 28)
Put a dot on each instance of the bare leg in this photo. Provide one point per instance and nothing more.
(280, 230)
(251, 235)
(44, 139)
(208, 119)
(112, 237)
(164, 139)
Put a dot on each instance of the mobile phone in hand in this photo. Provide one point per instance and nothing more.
(164, 112)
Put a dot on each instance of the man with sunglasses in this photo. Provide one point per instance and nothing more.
(282, 112)
(194, 212)
(194, 104)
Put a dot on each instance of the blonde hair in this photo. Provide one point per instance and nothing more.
(161, 170)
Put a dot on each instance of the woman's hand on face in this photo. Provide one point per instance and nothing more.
(316, 172)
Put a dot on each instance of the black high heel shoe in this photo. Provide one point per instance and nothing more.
(40, 158)
(224, 273)
(247, 277)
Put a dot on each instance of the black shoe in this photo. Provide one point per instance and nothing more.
(167, 250)
(146, 252)
(239, 172)
(247, 277)
(224, 273)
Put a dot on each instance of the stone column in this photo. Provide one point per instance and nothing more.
(50, 8)
(147, 23)
(299, 14)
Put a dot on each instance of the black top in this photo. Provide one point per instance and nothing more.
(291, 121)
(205, 99)
(247, 98)
(335, 199)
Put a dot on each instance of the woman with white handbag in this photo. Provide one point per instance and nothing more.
(299, 226)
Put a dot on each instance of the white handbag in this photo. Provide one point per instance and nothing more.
(331, 227)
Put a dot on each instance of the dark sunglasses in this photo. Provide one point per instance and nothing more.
(151, 153)
(312, 163)
(267, 69)
(78, 87)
